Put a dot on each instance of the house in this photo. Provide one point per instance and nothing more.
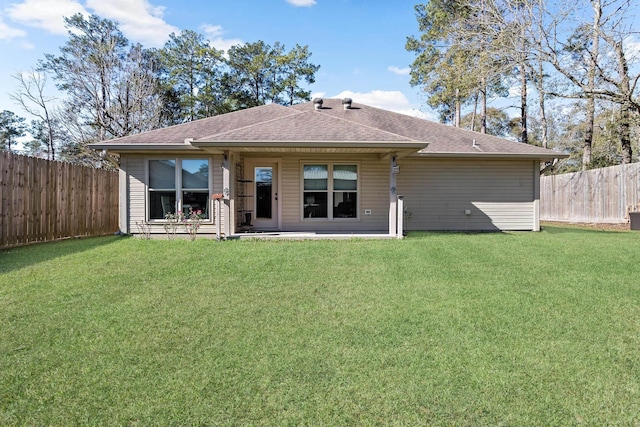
(327, 166)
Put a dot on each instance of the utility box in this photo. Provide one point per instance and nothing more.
(634, 220)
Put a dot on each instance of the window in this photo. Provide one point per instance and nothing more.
(178, 184)
(330, 185)
(195, 186)
(345, 187)
(315, 191)
(162, 188)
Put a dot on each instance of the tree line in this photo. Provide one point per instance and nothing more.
(114, 88)
(571, 62)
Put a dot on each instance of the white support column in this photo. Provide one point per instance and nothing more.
(218, 218)
(393, 208)
(226, 191)
(400, 217)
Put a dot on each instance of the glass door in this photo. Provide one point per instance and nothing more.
(266, 196)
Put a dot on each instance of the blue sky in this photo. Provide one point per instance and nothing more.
(359, 44)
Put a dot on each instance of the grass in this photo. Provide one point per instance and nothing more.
(438, 329)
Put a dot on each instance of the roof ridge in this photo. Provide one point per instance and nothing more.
(294, 113)
(193, 123)
(375, 128)
(467, 132)
(473, 134)
(324, 116)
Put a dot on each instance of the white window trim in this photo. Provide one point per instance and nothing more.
(330, 190)
(178, 189)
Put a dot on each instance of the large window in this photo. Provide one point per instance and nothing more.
(345, 191)
(195, 187)
(330, 191)
(316, 188)
(162, 188)
(178, 185)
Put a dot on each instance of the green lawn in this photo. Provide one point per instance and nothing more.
(514, 329)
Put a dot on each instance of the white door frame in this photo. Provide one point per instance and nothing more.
(276, 201)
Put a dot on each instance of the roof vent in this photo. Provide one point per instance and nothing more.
(317, 103)
(346, 103)
(474, 144)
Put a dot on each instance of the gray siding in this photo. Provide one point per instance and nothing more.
(373, 194)
(137, 186)
(134, 171)
(500, 195)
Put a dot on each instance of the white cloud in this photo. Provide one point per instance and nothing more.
(302, 3)
(9, 33)
(632, 49)
(399, 71)
(214, 34)
(139, 20)
(45, 14)
(392, 100)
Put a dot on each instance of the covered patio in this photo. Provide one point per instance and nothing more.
(309, 235)
(231, 210)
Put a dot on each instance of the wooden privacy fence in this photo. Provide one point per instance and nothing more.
(603, 195)
(41, 200)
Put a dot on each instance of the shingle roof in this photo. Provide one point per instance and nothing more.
(302, 124)
(209, 126)
(442, 139)
(306, 126)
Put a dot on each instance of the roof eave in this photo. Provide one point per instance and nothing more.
(312, 144)
(523, 156)
(143, 147)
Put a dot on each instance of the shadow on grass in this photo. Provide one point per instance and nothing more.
(24, 256)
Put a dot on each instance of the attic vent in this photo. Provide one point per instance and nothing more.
(346, 103)
(317, 103)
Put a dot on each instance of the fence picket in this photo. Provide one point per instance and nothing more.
(600, 195)
(42, 200)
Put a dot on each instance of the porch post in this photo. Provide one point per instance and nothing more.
(226, 186)
(400, 217)
(393, 207)
(218, 204)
